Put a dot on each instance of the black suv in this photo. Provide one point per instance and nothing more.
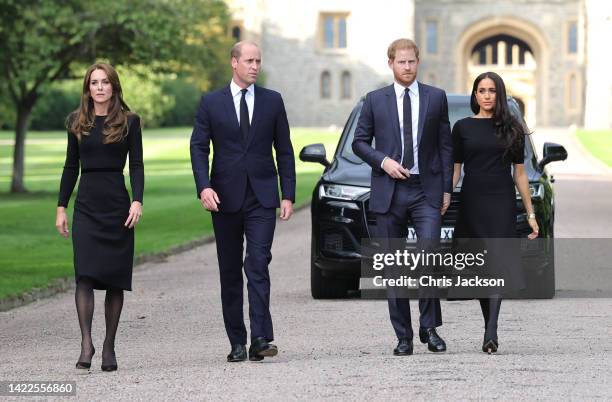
(340, 215)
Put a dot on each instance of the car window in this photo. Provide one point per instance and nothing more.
(458, 111)
(345, 148)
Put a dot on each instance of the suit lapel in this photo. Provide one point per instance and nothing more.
(228, 101)
(423, 104)
(257, 112)
(392, 108)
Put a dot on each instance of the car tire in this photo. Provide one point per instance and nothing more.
(541, 285)
(548, 279)
(326, 287)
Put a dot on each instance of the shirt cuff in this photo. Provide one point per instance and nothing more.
(383, 162)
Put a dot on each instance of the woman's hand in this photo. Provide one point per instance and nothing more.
(522, 184)
(534, 228)
(135, 214)
(61, 222)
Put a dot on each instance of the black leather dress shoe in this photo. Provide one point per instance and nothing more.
(260, 348)
(432, 339)
(404, 348)
(238, 354)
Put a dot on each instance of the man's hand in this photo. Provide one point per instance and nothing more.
(445, 203)
(286, 210)
(210, 199)
(395, 170)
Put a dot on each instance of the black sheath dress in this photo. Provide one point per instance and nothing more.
(488, 197)
(103, 247)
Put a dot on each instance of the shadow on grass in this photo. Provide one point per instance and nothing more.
(28, 195)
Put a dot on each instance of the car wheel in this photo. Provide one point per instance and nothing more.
(548, 279)
(326, 287)
(541, 285)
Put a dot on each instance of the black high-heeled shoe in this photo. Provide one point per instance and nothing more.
(490, 346)
(109, 367)
(85, 365)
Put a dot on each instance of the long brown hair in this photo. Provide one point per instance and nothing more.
(81, 121)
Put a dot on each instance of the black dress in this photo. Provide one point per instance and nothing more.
(488, 197)
(103, 247)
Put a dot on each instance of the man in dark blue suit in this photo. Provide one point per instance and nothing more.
(412, 169)
(244, 122)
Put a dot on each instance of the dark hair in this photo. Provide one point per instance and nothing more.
(508, 128)
(81, 121)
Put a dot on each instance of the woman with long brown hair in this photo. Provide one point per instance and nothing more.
(101, 134)
(489, 145)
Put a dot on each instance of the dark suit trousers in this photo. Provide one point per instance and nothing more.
(257, 224)
(409, 204)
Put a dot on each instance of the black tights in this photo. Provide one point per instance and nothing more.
(490, 312)
(113, 304)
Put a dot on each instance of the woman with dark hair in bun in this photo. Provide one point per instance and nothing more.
(101, 134)
(490, 146)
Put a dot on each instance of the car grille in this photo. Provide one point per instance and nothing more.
(337, 239)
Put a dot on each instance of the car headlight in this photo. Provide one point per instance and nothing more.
(341, 192)
(535, 189)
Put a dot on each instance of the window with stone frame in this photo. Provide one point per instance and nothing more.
(236, 31)
(345, 85)
(571, 37)
(333, 30)
(573, 90)
(431, 36)
(325, 85)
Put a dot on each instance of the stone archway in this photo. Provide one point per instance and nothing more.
(510, 39)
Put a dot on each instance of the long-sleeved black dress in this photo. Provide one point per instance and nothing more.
(103, 247)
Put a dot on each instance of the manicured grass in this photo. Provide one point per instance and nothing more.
(32, 253)
(599, 143)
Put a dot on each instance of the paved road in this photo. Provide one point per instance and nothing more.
(172, 343)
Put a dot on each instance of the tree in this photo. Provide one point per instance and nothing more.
(42, 40)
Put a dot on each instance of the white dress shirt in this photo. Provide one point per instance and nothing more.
(414, 105)
(249, 98)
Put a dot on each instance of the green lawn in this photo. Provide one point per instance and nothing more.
(32, 253)
(599, 143)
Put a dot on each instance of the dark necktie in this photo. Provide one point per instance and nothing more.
(244, 116)
(408, 159)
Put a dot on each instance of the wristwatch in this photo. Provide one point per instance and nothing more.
(531, 216)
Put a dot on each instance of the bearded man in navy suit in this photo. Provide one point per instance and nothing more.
(244, 122)
(412, 172)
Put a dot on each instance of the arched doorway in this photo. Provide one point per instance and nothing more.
(517, 51)
(512, 58)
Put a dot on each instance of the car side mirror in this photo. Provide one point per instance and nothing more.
(314, 153)
(552, 152)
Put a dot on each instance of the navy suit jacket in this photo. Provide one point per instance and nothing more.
(379, 121)
(235, 160)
